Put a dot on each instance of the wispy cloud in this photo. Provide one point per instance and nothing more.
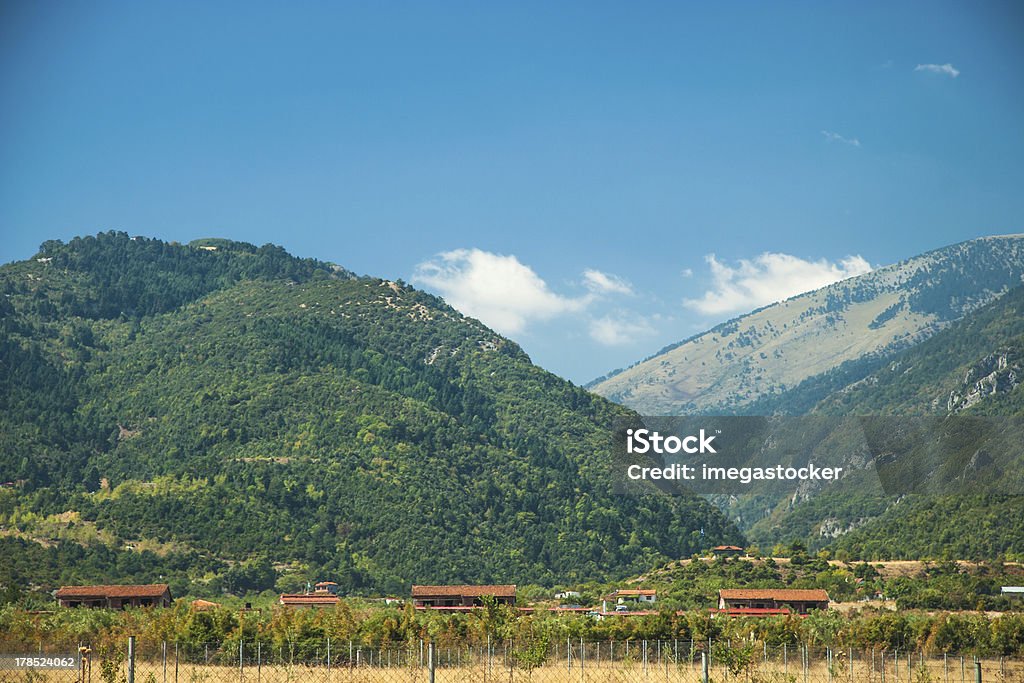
(605, 283)
(619, 329)
(941, 69)
(836, 137)
(768, 278)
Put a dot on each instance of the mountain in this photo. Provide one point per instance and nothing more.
(930, 349)
(238, 419)
(974, 369)
(822, 340)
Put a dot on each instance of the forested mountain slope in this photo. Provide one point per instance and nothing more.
(234, 416)
(973, 368)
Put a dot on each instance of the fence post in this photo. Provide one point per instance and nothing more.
(704, 667)
(568, 654)
(241, 654)
(163, 657)
(259, 660)
(430, 662)
(175, 663)
(977, 670)
(583, 656)
(131, 659)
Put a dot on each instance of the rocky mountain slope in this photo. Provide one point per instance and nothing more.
(952, 393)
(853, 325)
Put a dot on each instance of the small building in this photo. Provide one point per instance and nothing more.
(727, 551)
(326, 587)
(311, 600)
(1017, 591)
(567, 595)
(639, 595)
(461, 596)
(115, 597)
(800, 601)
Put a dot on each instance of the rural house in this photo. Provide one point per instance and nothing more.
(639, 595)
(754, 600)
(326, 587)
(727, 551)
(324, 595)
(115, 597)
(461, 596)
(321, 599)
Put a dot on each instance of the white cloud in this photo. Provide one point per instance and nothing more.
(498, 290)
(941, 69)
(836, 137)
(605, 283)
(686, 272)
(619, 330)
(768, 278)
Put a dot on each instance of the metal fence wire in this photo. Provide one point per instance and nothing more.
(570, 660)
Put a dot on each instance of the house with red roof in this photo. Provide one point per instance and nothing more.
(115, 597)
(753, 601)
(461, 597)
(311, 600)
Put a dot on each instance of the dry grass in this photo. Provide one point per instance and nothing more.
(933, 670)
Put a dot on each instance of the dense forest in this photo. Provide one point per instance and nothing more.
(238, 419)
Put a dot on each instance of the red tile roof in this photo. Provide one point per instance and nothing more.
(154, 590)
(635, 591)
(727, 547)
(305, 599)
(500, 591)
(779, 594)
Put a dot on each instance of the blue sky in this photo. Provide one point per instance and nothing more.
(564, 171)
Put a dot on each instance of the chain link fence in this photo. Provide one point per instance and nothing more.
(540, 661)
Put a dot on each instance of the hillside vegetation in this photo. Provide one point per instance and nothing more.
(972, 368)
(237, 418)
